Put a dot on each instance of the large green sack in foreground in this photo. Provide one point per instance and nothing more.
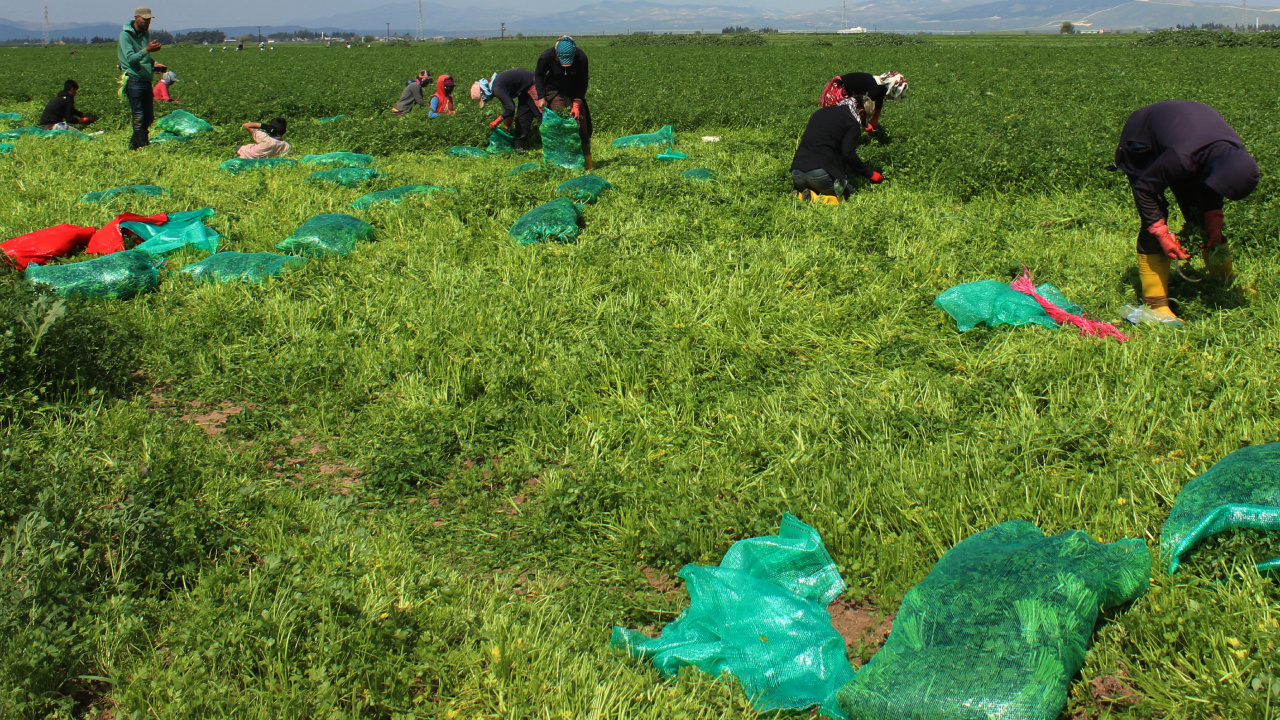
(996, 303)
(665, 136)
(249, 267)
(561, 143)
(998, 628)
(102, 196)
(585, 189)
(340, 159)
(182, 229)
(556, 220)
(119, 275)
(762, 617)
(344, 176)
(183, 124)
(500, 142)
(332, 234)
(394, 195)
(235, 166)
(1242, 491)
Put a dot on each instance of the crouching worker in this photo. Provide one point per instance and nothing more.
(412, 94)
(869, 91)
(442, 101)
(1188, 148)
(167, 78)
(510, 87)
(268, 140)
(829, 143)
(61, 111)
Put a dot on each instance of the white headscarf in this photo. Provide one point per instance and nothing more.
(897, 85)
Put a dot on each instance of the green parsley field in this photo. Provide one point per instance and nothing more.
(425, 480)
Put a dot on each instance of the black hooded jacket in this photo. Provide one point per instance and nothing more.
(864, 84)
(61, 109)
(1182, 144)
(509, 86)
(829, 142)
(570, 82)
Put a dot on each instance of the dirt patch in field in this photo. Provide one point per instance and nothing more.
(661, 582)
(863, 627)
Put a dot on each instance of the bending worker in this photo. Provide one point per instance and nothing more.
(1186, 147)
(62, 109)
(442, 101)
(829, 143)
(869, 90)
(561, 78)
(509, 87)
(412, 94)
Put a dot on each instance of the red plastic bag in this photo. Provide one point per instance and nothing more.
(108, 239)
(42, 245)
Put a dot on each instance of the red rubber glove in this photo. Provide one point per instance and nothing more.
(876, 178)
(872, 126)
(496, 122)
(1213, 228)
(576, 111)
(1168, 241)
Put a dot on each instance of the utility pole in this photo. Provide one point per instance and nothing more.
(503, 34)
(44, 36)
(388, 31)
(419, 19)
(844, 7)
(259, 33)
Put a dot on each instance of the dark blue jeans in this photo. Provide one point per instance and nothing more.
(142, 105)
(819, 181)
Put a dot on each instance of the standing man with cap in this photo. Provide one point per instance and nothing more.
(561, 78)
(134, 54)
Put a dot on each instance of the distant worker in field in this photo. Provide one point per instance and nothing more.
(561, 78)
(134, 55)
(829, 143)
(868, 90)
(1188, 148)
(442, 101)
(412, 94)
(510, 87)
(167, 78)
(268, 140)
(61, 111)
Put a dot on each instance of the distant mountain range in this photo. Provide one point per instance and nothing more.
(645, 16)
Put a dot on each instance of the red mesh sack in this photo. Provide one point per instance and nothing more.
(42, 245)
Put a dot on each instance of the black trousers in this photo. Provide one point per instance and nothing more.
(556, 101)
(819, 181)
(142, 106)
(526, 111)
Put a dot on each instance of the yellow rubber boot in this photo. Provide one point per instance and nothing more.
(1217, 262)
(1153, 271)
(586, 159)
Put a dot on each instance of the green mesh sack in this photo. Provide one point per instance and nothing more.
(699, 175)
(182, 230)
(10, 117)
(500, 142)
(344, 176)
(762, 617)
(672, 154)
(327, 120)
(1240, 492)
(248, 267)
(998, 628)
(665, 136)
(5, 148)
(561, 143)
(466, 151)
(102, 196)
(340, 159)
(33, 131)
(585, 189)
(332, 234)
(119, 275)
(183, 123)
(556, 220)
(235, 166)
(995, 303)
(524, 167)
(394, 195)
(168, 137)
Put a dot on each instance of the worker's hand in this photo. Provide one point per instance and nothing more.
(153, 46)
(88, 120)
(876, 178)
(540, 104)
(576, 111)
(872, 126)
(1212, 228)
(496, 122)
(1168, 241)
(509, 123)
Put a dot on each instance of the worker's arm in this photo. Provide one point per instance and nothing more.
(133, 52)
(504, 96)
(415, 94)
(434, 108)
(251, 127)
(1149, 187)
(850, 152)
(542, 70)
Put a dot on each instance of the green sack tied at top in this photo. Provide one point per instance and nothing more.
(561, 143)
(556, 220)
(665, 136)
(102, 196)
(235, 166)
(340, 159)
(120, 275)
(394, 195)
(1241, 491)
(248, 267)
(183, 124)
(331, 234)
(344, 176)
(585, 189)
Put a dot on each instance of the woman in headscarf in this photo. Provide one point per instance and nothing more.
(412, 94)
(167, 79)
(829, 143)
(868, 90)
(1188, 148)
(510, 87)
(442, 101)
(561, 78)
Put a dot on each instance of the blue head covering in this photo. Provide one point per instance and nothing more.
(565, 49)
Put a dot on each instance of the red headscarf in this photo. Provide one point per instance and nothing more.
(444, 101)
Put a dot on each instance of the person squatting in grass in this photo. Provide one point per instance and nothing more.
(134, 55)
(412, 94)
(268, 140)
(868, 90)
(61, 111)
(1188, 148)
(509, 87)
(561, 77)
(442, 101)
(167, 78)
(829, 142)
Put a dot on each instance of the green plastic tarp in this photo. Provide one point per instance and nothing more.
(33, 131)
(466, 151)
(500, 142)
(10, 117)
(183, 229)
(996, 303)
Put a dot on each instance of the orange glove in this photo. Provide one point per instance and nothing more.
(576, 111)
(1168, 241)
(1213, 228)
(876, 178)
(496, 122)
